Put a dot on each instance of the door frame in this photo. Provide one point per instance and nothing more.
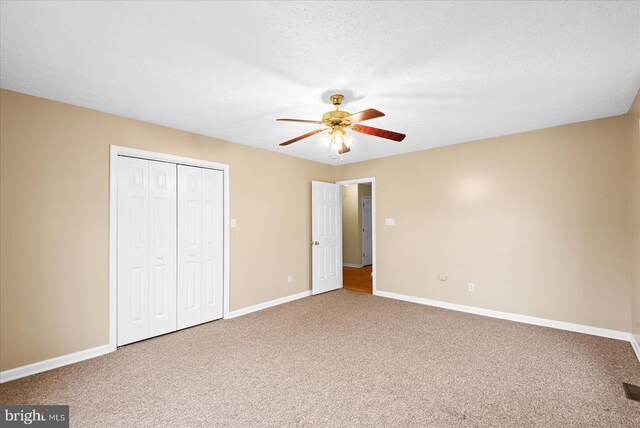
(116, 151)
(368, 180)
(362, 199)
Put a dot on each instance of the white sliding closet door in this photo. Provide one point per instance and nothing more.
(170, 247)
(212, 244)
(189, 246)
(146, 249)
(200, 245)
(133, 250)
(162, 248)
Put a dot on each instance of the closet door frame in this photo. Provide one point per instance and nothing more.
(117, 151)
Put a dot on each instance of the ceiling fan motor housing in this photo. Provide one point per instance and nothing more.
(334, 118)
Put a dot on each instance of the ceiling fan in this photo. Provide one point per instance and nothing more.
(338, 121)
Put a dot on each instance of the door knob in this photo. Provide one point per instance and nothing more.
(315, 243)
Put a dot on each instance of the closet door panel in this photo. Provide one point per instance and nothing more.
(212, 245)
(162, 248)
(133, 250)
(189, 246)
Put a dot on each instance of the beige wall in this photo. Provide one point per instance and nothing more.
(350, 237)
(54, 221)
(364, 190)
(538, 221)
(352, 222)
(634, 211)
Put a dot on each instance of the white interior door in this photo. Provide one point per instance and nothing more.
(366, 231)
(133, 250)
(189, 246)
(326, 218)
(162, 248)
(213, 244)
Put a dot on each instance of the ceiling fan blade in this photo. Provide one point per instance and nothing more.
(364, 115)
(308, 134)
(377, 132)
(344, 149)
(300, 120)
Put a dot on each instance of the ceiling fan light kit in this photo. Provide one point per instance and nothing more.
(338, 121)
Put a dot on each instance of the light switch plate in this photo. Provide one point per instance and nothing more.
(389, 221)
(233, 222)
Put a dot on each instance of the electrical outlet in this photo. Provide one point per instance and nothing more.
(472, 287)
(289, 279)
(442, 276)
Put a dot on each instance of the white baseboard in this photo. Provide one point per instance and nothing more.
(351, 265)
(268, 304)
(636, 346)
(561, 325)
(53, 363)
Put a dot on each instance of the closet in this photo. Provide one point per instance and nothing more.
(169, 247)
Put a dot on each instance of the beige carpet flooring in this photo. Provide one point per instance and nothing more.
(349, 359)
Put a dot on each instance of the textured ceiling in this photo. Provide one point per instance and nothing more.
(443, 73)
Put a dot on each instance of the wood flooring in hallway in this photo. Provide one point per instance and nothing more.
(357, 279)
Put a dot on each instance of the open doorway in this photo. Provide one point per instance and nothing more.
(358, 242)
